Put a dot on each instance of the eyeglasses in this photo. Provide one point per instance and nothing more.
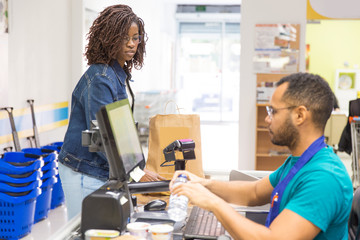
(135, 39)
(271, 110)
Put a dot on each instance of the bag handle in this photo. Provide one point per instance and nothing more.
(177, 107)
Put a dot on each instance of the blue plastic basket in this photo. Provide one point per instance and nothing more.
(7, 198)
(43, 201)
(8, 168)
(5, 187)
(50, 165)
(37, 174)
(17, 214)
(58, 196)
(50, 173)
(18, 157)
(54, 146)
(49, 181)
(47, 154)
(58, 144)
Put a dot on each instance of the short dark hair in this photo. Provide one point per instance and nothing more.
(311, 91)
(106, 35)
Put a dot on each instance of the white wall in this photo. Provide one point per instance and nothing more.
(4, 65)
(253, 12)
(39, 51)
(42, 60)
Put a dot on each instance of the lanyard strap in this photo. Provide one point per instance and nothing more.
(278, 191)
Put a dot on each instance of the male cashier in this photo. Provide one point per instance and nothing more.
(310, 194)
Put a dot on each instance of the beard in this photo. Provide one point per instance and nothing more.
(287, 135)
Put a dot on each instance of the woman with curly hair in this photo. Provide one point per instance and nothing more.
(116, 45)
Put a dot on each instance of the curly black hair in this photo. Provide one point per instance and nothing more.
(106, 35)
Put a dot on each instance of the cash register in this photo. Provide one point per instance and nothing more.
(110, 207)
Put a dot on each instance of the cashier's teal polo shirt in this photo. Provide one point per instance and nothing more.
(320, 192)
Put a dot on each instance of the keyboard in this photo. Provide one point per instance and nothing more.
(202, 224)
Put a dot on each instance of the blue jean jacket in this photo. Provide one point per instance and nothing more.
(101, 84)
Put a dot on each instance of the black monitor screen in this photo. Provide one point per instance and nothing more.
(120, 139)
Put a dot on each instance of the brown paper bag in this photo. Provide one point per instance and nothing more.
(163, 130)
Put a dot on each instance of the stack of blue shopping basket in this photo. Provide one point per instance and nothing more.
(20, 185)
(50, 171)
(58, 196)
(29, 183)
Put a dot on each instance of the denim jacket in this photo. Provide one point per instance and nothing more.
(101, 84)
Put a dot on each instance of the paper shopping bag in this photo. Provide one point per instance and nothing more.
(165, 129)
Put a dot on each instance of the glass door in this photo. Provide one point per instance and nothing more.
(208, 69)
(207, 83)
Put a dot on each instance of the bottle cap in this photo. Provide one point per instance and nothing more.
(182, 176)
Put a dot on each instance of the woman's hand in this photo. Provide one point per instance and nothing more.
(151, 176)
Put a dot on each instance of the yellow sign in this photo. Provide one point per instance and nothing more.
(324, 9)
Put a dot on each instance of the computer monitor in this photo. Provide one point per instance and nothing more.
(120, 140)
(110, 206)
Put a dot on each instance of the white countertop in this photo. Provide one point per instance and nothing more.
(45, 229)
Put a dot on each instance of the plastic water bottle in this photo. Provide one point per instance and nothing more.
(178, 204)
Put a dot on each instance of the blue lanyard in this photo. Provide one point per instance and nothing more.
(278, 191)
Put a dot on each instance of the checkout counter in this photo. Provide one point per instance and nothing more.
(57, 227)
(111, 206)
